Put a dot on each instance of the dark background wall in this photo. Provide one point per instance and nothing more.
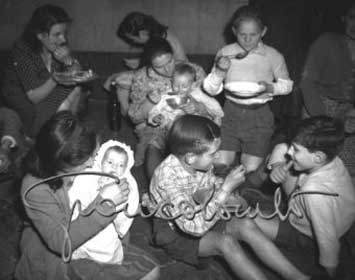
(292, 24)
(199, 23)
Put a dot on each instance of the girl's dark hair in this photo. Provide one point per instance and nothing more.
(62, 143)
(42, 20)
(241, 14)
(153, 48)
(135, 22)
(185, 68)
(321, 133)
(192, 134)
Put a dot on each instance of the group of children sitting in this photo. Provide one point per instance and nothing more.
(308, 164)
(190, 196)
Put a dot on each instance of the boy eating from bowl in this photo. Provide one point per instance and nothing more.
(259, 64)
(194, 143)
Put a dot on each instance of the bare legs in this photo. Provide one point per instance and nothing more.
(250, 162)
(259, 234)
(224, 245)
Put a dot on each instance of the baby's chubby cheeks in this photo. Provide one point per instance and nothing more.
(182, 83)
(115, 161)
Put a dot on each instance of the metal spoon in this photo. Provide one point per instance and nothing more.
(238, 56)
(241, 55)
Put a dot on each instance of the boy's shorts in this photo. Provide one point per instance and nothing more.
(247, 129)
(178, 244)
(299, 249)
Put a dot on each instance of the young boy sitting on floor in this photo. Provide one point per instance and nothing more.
(327, 213)
(194, 143)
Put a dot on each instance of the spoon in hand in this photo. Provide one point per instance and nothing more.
(238, 56)
(241, 55)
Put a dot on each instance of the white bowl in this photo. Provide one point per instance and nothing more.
(244, 89)
(76, 76)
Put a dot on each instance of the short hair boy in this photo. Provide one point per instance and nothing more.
(194, 143)
(327, 212)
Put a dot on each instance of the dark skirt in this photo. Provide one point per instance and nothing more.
(136, 264)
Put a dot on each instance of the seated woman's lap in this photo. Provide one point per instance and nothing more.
(136, 264)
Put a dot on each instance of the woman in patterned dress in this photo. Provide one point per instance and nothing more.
(28, 86)
(136, 29)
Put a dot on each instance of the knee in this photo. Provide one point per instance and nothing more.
(154, 274)
(241, 227)
(251, 166)
(251, 163)
(225, 158)
(228, 244)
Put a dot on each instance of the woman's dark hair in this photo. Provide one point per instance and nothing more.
(242, 13)
(62, 143)
(153, 48)
(321, 133)
(135, 22)
(42, 20)
(192, 134)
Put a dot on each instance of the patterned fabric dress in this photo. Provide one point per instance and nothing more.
(146, 80)
(26, 71)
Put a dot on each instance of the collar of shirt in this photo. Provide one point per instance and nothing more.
(178, 167)
(325, 169)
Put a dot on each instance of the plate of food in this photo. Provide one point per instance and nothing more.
(243, 89)
(75, 77)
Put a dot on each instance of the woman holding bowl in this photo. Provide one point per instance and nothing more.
(29, 86)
